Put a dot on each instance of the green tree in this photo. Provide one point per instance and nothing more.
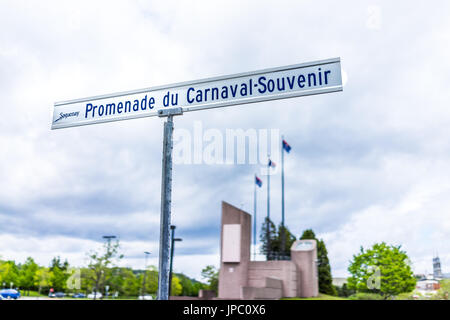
(325, 277)
(275, 244)
(211, 274)
(9, 273)
(268, 238)
(56, 263)
(187, 285)
(100, 261)
(344, 291)
(190, 286)
(58, 278)
(308, 234)
(59, 274)
(27, 273)
(42, 279)
(131, 285)
(87, 282)
(114, 280)
(197, 287)
(176, 287)
(151, 282)
(382, 269)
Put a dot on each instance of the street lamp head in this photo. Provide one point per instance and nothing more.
(109, 237)
(146, 252)
(177, 239)
(172, 227)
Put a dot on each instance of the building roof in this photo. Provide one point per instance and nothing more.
(339, 282)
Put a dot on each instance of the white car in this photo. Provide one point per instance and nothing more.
(96, 295)
(145, 297)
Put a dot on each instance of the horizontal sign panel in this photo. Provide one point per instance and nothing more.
(263, 85)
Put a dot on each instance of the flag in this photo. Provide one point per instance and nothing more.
(258, 181)
(272, 164)
(286, 146)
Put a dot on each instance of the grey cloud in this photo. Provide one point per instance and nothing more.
(368, 146)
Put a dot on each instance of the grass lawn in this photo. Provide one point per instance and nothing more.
(320, 297)
(31, 294)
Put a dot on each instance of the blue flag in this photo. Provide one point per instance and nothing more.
(258, 181)
(272, 164)
(286, 146)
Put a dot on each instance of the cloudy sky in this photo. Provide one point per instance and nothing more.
(369, 164)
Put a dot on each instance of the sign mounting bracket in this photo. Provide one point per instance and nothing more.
(170, 112)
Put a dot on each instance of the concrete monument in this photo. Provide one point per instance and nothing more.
(241, 278)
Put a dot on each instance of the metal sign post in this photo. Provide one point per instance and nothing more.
(166, 201)
(283, 232)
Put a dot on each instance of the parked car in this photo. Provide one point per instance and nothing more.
(95, 295)
(79, 295)
(145, 297)
(10, 294)
(56, 294)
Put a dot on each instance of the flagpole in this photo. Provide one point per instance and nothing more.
(254, 222)
(268, 210)
(283, 236)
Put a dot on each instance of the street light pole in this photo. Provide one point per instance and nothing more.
(108, 239)
(145, 273)
(108, 247)
(173, 239)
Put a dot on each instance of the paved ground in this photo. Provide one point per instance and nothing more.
(44, 298)
(35, 298)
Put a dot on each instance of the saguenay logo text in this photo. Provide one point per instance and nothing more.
(67, 115)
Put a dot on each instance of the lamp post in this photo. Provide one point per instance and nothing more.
(145, 273)
(108, 246)
(172, 234)
(108, 239)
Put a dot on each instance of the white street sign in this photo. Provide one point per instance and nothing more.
(269, 84)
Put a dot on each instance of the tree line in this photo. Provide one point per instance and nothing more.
(101, 275)
(380, 272)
